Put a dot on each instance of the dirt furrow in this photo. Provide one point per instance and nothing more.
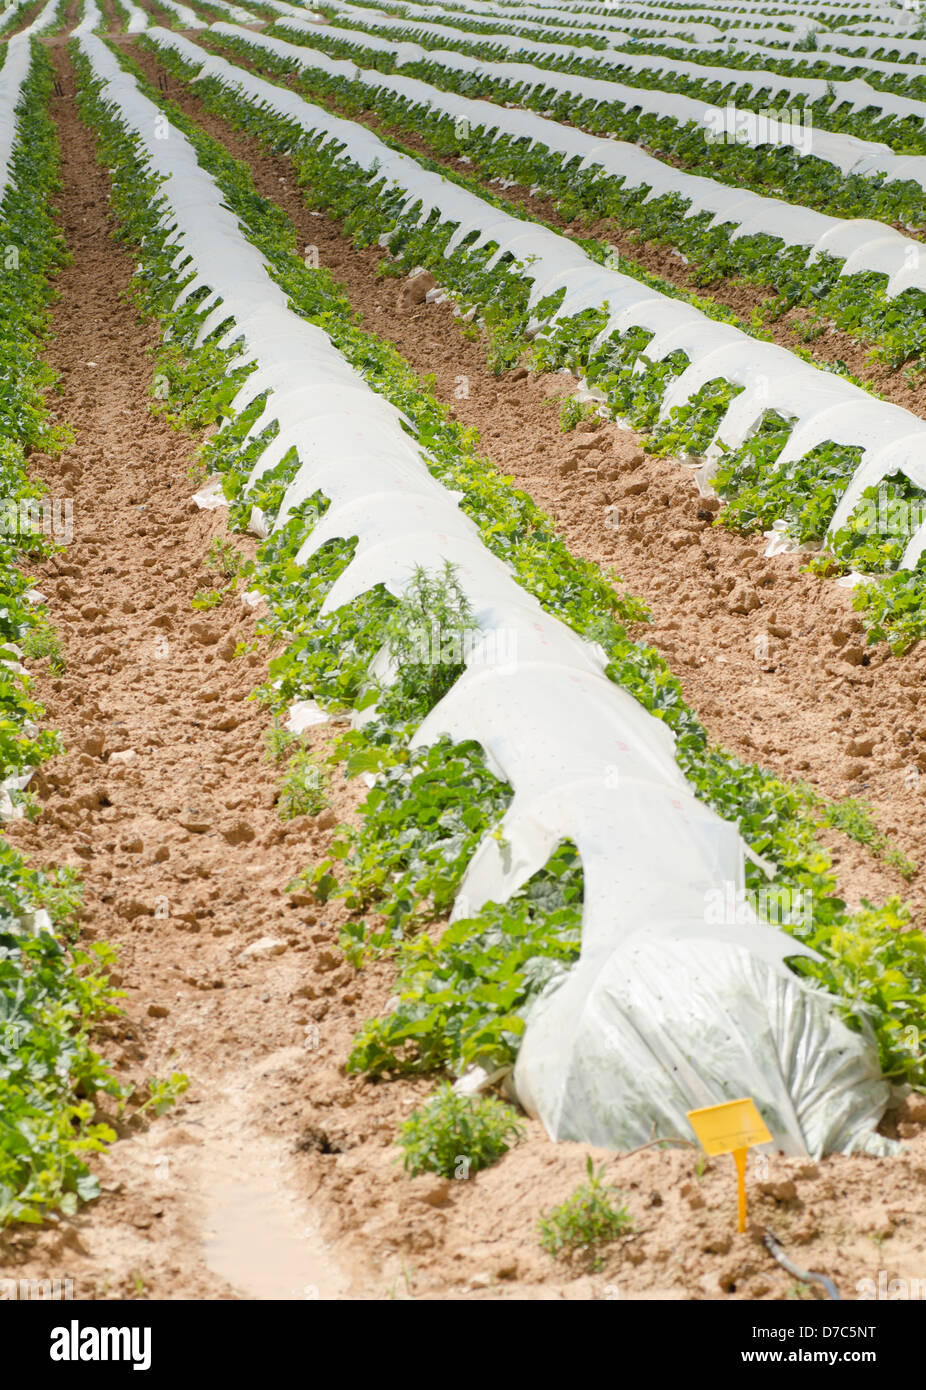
(165, 804)
(772, 659)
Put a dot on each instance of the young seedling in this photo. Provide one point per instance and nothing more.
(278, 741)
(303, 792)
(591, 1218)
(206, 598)
(41, 641)
(223, 556)
(457, 1135)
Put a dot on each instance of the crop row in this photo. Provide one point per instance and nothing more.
(792, 442)
(630, 22)
(877, 121)
(733, 52)
(867, 279)
(698, 42)
(904, 79)
(834, 173)
(792, 21)
(484, 793)
(50, 992)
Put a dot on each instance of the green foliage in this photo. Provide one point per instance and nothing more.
(857, 303)
(49, 998)
(894, 609)
(573, 411)
(421, 824)
(426, 634)
(204, 599)
(303, 791)
(876, 963)
(804, 493)
(856, 819)
(880, 526)
(457, 1135)
(463, 998)
(278, 741)
(223, 556)
(163, 1094)
(42, 640)
(588, 1220)
(690, 428)
(27, 227)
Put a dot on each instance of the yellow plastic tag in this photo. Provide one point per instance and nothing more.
(731, 1128)
(725, 1128)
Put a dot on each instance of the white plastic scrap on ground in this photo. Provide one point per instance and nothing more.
(664, 1011)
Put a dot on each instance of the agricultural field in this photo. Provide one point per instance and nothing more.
(463, 636)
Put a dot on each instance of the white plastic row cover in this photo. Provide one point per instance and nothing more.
(13, 75)
(638, 17)
(91, 19)
(837, 11)
(355, 13)
(866, 245)
(46, 17)
(631, 24)
(826, 407)
(880, 65)
(237, 12)
(857, 94)
(295, 11)
(184, 13)
(587, 763)
(138, 19)
(735, 13)
(847, 153)
(851, 43)
(699, 32)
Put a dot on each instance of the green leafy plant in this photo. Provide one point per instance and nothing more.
(856, 819)
(572, 412)
(207, 598)
(591, 1218)
(165, 1093)
(427, 634)
(458, 1135)
(223, 556)
(42, 640)
(303, 791)
(421, 824)
(278, 741)
(463, 995)
(50, 997)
